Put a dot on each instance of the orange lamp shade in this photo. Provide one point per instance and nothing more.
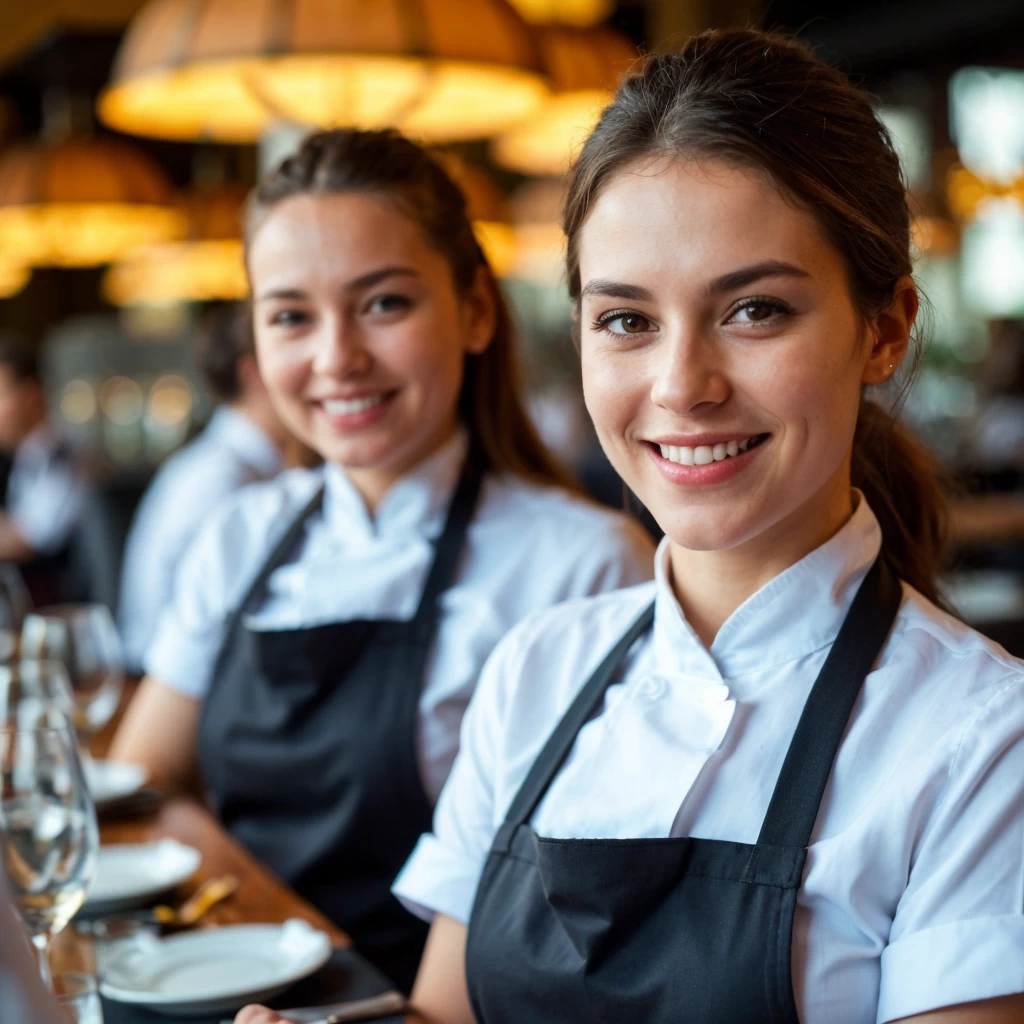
(226, 69)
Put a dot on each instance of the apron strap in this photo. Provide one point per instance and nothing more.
(556, 750)
(819, 733)
(276, 556)
(451, 542)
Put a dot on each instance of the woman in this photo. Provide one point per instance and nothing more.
(328, 627)
(779, 783)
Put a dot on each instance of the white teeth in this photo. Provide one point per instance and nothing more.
(351, 406)
(703, 455)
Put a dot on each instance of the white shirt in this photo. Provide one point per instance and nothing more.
(231, 452)
(913, 896)
(528, 547)
(45, 492)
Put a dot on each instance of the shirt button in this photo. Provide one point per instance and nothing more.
(654, 689)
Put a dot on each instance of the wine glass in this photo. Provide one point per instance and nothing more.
(84, 638)
(48, 833)
(15, 604)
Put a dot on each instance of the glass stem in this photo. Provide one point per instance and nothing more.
(42, 942)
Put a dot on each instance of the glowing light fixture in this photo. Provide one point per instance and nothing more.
(81, 202)
(992, 262)
(585, 66)
(222, 69)
(13, 277)
(206, 266)
(967, 192)
(987, 121)
(565, 12)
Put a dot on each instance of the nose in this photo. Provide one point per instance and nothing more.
(688, 375)
(340, 350)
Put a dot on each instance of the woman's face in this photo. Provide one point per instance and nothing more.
(722, 355)
(360, 334)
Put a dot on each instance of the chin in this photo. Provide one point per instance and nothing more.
(705, 530)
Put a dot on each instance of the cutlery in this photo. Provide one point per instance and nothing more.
(388, 1004)
(210, 893)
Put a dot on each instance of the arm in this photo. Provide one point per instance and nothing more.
(159, 732)
(13, 545)
(1008, 1010)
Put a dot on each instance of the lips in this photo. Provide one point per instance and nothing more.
(705, 454)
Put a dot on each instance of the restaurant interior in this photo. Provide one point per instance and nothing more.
(131, 132)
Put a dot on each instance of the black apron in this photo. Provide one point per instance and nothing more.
(307, 744)
(663, 930)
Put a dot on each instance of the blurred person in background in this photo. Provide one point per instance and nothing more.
(328, 627)
(243, 443)
(42, 486)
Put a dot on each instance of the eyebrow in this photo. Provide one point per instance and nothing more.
(358, 285)
(726, 283)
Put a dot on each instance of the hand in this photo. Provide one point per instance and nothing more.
(258, 1015)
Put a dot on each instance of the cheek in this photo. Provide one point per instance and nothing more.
(611, 391)
(284, 367)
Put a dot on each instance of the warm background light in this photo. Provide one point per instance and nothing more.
(219, 69)
(82, 202)
(13, 277)
(208, 265)
(585, 66)
(485, 205)
(566, 12)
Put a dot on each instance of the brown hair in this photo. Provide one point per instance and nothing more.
(224, 337)
(765, 102)
(386, 163)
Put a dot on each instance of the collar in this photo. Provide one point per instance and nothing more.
(417, 503)
(236, 431)
(794, 614)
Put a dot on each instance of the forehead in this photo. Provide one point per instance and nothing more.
(328, 239)
(692, 221)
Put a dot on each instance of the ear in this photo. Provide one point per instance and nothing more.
(891, 333)
(480, 312)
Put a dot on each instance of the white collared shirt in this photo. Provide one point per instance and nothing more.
(528, 547)
(231, 452)
(46, 491)
(913, 896)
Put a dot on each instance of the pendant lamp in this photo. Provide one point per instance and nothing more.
(585, 66)
(227, 69)
(81, 201)
(13, 277)
(207, 265)
(564, 12)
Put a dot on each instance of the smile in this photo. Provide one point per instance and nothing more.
(352, 406)
(704, 455)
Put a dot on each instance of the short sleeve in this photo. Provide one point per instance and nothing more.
(209, 583)
(958, 931)
(442, 873)
(47, 508)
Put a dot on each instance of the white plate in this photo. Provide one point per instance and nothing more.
(215, 971)
(111, 780)
(132, 874)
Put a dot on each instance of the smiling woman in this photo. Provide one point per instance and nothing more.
(779, 783)
(328, 627)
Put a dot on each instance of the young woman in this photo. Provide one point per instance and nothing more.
(779, 783)
(328, 627)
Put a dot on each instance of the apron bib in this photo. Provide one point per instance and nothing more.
(663, 930)
(307, 746)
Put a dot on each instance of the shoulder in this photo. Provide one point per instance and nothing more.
(541, 663)
(967, 689)
(557, 517)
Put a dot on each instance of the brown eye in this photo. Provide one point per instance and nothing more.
(757, 311)
(627, 323)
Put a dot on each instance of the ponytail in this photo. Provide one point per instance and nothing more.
(902, 483)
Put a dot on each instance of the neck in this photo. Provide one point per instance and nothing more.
(711, 585)
(374, 482)
(262, 415)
